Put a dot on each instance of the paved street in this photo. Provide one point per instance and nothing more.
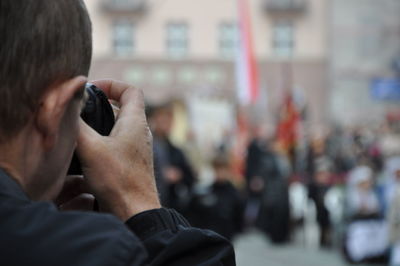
(252, 249)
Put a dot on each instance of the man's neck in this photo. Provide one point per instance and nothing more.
(14, 159)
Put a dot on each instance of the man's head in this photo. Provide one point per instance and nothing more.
(222, 168)
(45, 55)
(161, 119)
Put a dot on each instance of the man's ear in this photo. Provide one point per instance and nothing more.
(53, 105)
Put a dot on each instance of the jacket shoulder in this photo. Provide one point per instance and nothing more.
(38, 234)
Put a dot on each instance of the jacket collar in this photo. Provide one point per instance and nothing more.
(9, 187)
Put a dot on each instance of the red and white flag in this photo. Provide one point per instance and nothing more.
(246, 65)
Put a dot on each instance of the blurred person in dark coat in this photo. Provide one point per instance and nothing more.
(174, 174)
(219, 208)
(254, 180)
(320, 172)
(274, 215)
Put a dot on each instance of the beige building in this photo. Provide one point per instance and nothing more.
(186, 49)
(365, 47)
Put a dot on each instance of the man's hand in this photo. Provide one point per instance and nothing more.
(256, 184)
(173, 175)
(119, 168)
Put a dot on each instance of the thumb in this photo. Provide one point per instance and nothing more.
(88, 139)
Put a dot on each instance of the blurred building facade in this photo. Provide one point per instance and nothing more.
(364, 46)
(186, 49)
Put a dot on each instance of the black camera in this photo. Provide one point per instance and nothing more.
(98, 114)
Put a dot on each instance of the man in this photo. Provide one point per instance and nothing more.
(220, 207)
(174, 173)
(45, 56)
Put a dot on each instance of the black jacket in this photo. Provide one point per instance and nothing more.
(255, 153)
(176, 196)
(220, 209)
(36, 233)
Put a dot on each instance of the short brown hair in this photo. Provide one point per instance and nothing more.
(42, 42)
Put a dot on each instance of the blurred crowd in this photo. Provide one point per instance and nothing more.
(349, 178)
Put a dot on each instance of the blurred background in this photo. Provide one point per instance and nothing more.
(276, 122)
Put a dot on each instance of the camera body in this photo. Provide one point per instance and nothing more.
(98, 114)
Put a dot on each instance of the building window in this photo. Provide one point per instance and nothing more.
(228, 39)
(161, 76)
(123, 31)
(283, 39)
(177, 39)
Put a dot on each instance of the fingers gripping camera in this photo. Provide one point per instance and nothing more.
(98, 114)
